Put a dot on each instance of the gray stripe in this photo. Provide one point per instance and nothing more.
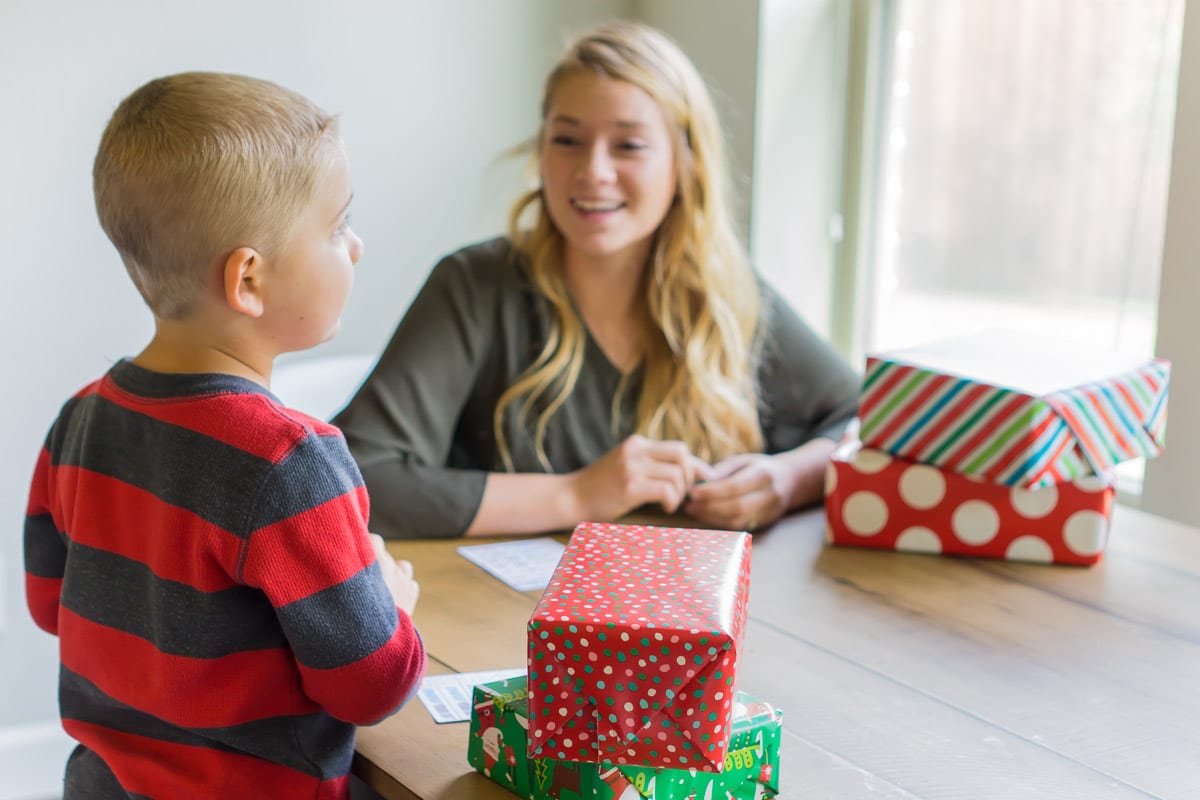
(211, 479)
(218, 482)
(45, 550)
(319, 469)
(341, 624)
(312, 744)
(176, 618)
(89, 778)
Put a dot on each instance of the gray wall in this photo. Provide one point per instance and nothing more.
(430, 95)
(1171, 478)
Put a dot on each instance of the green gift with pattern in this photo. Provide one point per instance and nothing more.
(499, 739)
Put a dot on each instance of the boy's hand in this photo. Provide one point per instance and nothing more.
(397, 575)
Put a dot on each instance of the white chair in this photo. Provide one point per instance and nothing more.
(321, 386)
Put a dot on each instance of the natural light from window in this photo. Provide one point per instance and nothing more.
(1023, 165)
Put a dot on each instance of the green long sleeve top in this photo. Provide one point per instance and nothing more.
(420, 427)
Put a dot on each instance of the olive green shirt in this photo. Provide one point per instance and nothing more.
(421, 425)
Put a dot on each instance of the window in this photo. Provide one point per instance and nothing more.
(1021, 170)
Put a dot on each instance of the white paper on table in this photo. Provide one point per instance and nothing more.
(524, 564)
(448, 697)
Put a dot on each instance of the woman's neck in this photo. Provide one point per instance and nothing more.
(609, 295)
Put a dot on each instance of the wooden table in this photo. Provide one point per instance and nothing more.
(900, 676)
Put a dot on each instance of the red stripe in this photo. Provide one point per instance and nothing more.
(154, 768)
(903, 416)
(1067, 443)
(369, 689)
(868, 403)
(1077, 428)
(184, 547)
(311, 551)
(1113, 427)
(41, 595)
(948, 418)
(1148, 375)
(1020, 452)
(190, 692)
(1133, 404)
(39, 486)
(249, 422)
(965, 449)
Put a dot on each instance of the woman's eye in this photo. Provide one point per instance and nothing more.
(344, 226)
(563, 140)
(632, 145)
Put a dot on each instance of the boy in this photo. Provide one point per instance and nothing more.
(224, 617)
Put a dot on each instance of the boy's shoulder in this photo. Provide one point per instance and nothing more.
(224, 409)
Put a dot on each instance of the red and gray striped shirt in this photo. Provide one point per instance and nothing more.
(201, 552)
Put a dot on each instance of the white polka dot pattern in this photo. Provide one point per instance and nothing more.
(920, 508)
(922, 486)
(633, 647)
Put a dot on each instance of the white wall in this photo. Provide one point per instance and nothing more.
(799, 150)
(721, 38)
(1170, 487)
(430, 93)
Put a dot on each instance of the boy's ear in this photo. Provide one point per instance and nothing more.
(242, 279)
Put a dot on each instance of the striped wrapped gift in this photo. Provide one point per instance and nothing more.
(1012, 410)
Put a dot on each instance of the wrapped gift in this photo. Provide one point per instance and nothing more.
(873, 499)
(1014, 411)
(633, 647)
(498, 741)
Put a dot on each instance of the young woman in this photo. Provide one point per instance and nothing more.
(615, 349)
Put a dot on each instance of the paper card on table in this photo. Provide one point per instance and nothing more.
(448, 697)
(525, 565)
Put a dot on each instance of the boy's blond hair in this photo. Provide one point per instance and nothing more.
(193, 166)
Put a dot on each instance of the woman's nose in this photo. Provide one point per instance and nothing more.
(597, 164)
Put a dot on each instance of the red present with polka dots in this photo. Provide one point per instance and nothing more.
(873, 499)
(633, 647)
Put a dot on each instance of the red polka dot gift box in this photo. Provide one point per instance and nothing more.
(633, 647)
(873, 499)
(1014, 410)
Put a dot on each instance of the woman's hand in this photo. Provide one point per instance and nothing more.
(752, 490)
(744, 492)
(636, 472)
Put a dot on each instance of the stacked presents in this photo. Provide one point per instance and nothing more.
(629, 694)
(993, 446)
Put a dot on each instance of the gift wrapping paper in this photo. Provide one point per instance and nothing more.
(873, 499)
(498, 742)
(1012, 414)
(633, 647)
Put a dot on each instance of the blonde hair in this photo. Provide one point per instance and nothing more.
(193, 166)
(703, 299)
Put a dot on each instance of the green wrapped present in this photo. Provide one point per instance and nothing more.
(499, 740)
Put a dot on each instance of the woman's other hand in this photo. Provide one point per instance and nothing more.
(743, 492)
(752, 490)
(636, 472)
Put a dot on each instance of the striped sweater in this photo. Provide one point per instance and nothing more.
(202, 554)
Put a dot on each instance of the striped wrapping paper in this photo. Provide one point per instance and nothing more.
(946, 411)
